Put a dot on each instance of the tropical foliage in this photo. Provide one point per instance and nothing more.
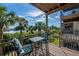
(54, 34)
(10, 18)
(40, 26)
(22, 24)
(6, 18)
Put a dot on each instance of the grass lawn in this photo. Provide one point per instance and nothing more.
(56, 42)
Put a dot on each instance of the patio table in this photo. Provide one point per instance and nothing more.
(37, 43)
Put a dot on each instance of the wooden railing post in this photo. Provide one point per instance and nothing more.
(1, 38)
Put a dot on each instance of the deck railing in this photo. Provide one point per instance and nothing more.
(9, 49)
(71, 41)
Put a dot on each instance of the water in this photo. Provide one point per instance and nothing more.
(11, 32)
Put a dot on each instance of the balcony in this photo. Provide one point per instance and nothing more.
(53, 51)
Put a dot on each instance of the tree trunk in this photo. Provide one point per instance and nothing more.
(21, 39)
(39, 31)
(1, 38)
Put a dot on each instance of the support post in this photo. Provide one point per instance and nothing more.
(61, 40)
(47, 47)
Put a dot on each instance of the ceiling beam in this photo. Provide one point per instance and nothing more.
(59, 7)
(70, 5)
(70, 17)
(34, 4)
(44, 8)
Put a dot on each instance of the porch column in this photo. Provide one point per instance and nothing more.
(61, 29)
(47, 46)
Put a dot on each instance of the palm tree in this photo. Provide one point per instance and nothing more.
(22, 25)
(6, 18)
(40, 26)
(19, 28)
(31, 28)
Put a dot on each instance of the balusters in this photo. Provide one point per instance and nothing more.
(9, 49)
(71, 40)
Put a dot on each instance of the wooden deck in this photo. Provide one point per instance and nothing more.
(63, 51)
(53, 51)
(59, 51)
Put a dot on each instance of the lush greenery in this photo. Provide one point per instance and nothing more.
(17, 34)
(10, 18)
(54, 34)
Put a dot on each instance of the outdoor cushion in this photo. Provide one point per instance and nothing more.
(22, 50)
(25, 50)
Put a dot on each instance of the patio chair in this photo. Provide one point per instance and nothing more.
(22, 50)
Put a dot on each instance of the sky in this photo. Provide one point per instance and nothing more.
(32, 14)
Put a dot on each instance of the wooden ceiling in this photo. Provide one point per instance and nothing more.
(53, 7)
(49, 8)
(73, 17)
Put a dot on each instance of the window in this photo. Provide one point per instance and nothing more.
(68, 28)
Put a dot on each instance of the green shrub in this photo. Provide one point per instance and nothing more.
(54, 39)
(25, 34)
(8, 36)
(16, 35)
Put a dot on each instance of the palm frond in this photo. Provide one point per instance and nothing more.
(12, 14)
(2, 9)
